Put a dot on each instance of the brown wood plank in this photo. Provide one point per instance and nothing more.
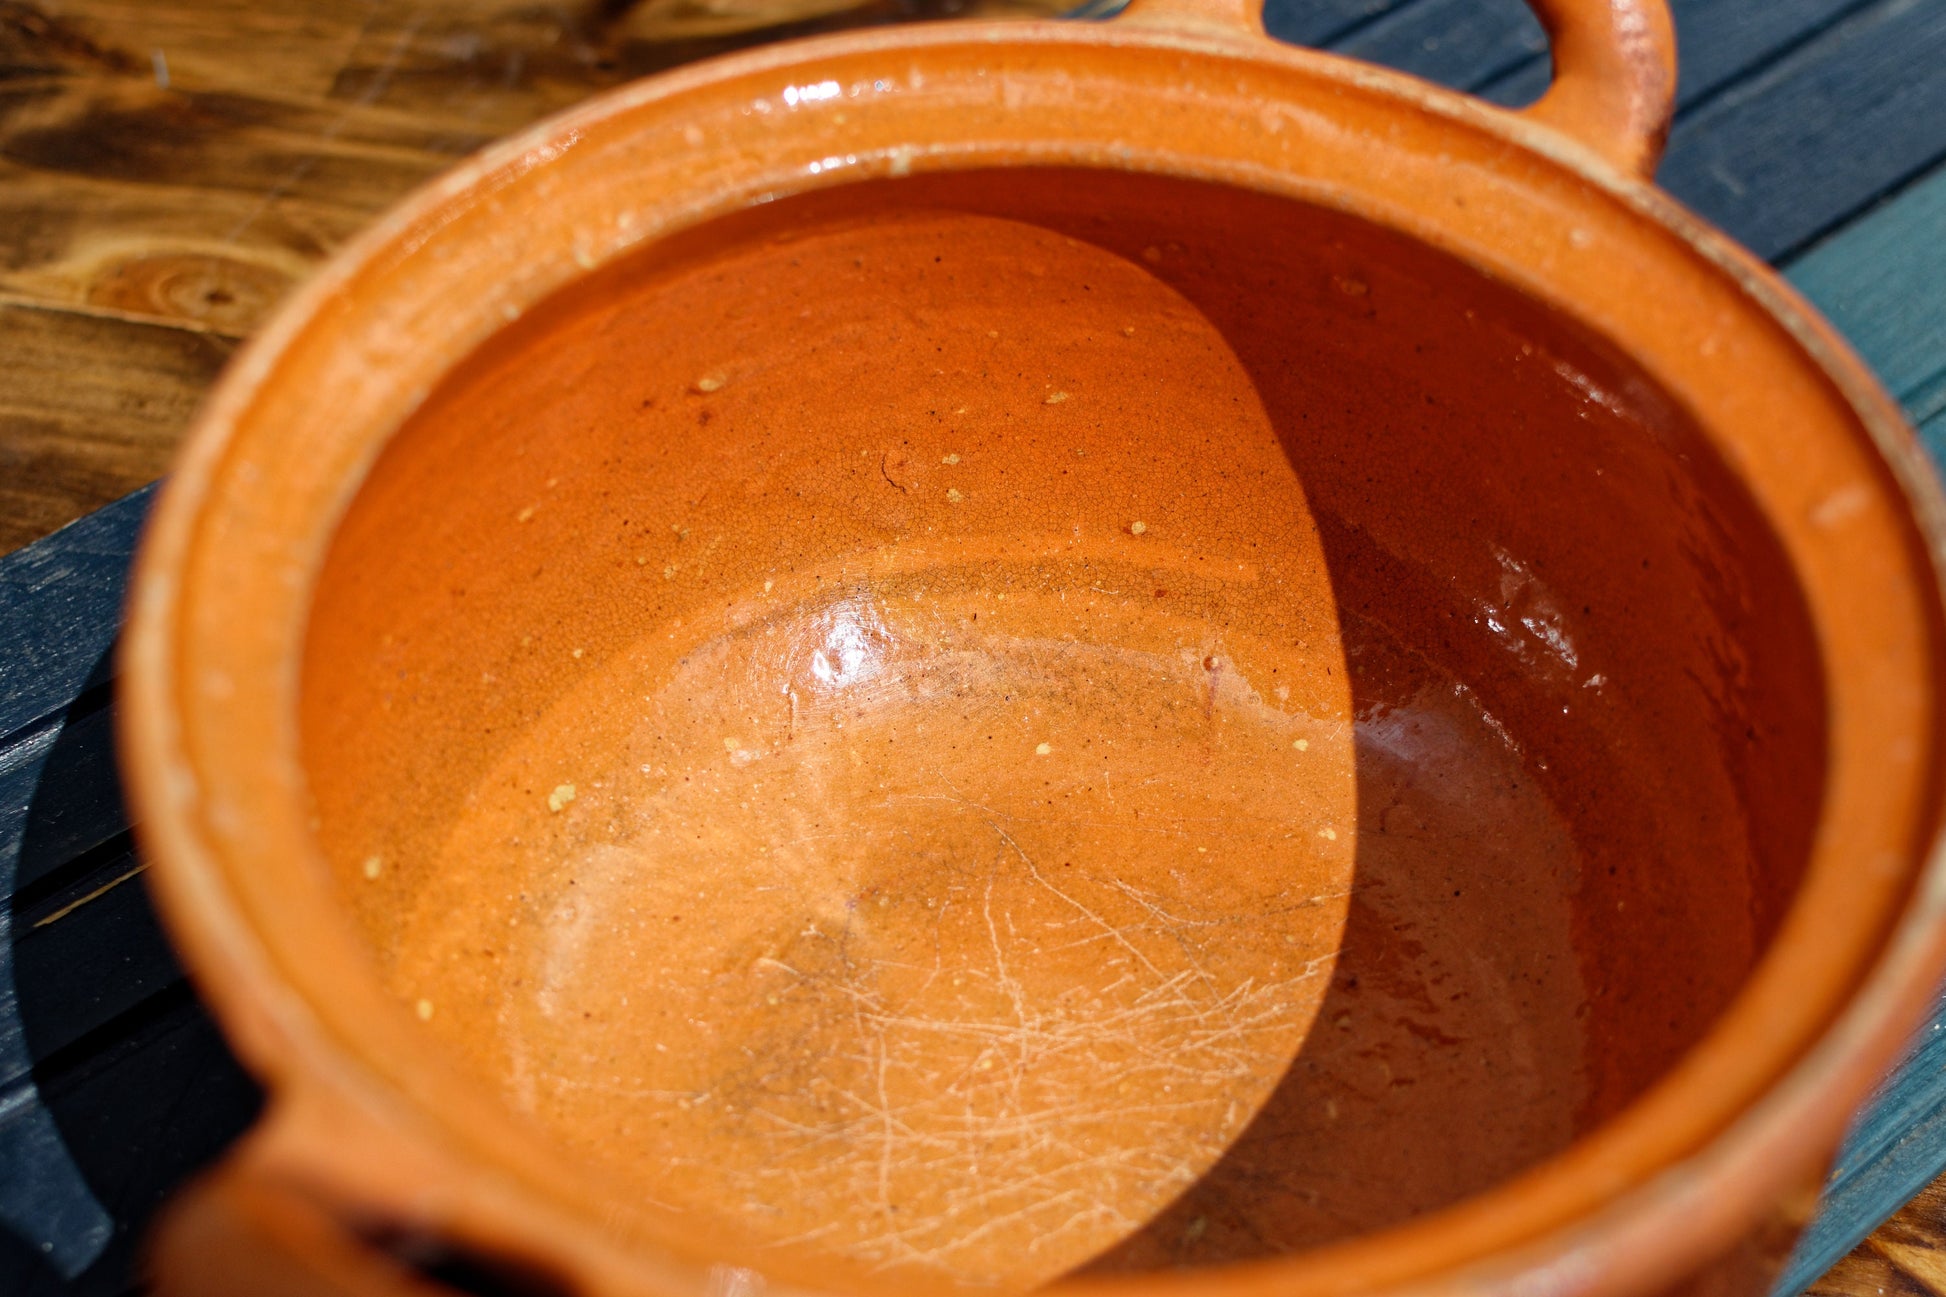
(91, 407)
(168, 172)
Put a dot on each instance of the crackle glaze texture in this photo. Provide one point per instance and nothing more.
(976, 725)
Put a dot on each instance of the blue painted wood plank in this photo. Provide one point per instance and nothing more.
(1928, 403)
(1458, 43)
(1319, 22)
(114, 1086)
(44, 1200)
(1720, 41)
(1882, 281)
(1784, 156)
(1932, 431)
(1717, 42)
(1794, 114)
(75, 807)
(81, 972)
(1850, 73)
(61, 601)
(141, 1114)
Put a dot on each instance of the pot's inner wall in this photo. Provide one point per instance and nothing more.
(968, 724)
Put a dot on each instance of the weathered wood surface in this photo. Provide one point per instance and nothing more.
(170, 168)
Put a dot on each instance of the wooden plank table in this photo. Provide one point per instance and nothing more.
(170, 168)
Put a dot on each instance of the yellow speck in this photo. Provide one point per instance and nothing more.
(953, 496)
(710, 383)
(576, 653)
(1055, 398)
(1351, 287)
(1330, 835)
(424, 1009)
(731, 745)
(1202, 851)
(950, 459)
(1043, 750)
(1128, 331)
(984, 1065)
(669, 572)
(960, 410)
(767, 586)
(1137, 527)
(884, 901)
(372, 866)
(1301, 744)
(525, 514)
(641, 560)
(993, 333)
(561, 796)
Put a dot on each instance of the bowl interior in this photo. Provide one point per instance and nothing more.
(989, 723)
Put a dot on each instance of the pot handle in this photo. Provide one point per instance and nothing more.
(1614, 87)
(239, 1233)
(282, 1216)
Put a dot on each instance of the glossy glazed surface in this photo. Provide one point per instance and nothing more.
(1432, 730)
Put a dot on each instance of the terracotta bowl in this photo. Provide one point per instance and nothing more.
(966, 656)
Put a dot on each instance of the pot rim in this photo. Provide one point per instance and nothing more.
(1648, 1226)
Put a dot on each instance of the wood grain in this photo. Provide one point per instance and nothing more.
(169, 171)
(91, 405)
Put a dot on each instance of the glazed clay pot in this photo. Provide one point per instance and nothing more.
(966, 655)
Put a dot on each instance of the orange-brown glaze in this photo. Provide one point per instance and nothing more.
(944, 876)
(899, 921)
(889, 745)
